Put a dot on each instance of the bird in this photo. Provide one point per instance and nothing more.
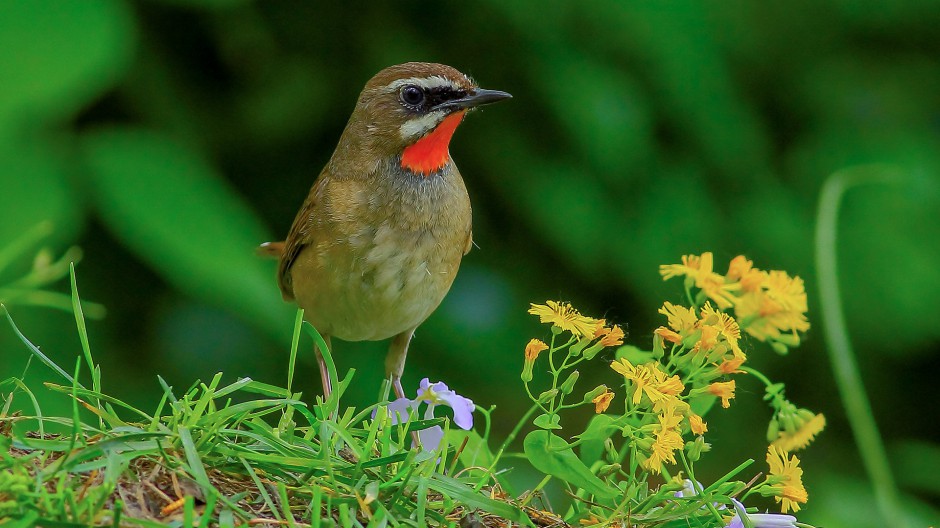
(378, 240)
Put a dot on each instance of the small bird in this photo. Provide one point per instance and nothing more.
(378, 240)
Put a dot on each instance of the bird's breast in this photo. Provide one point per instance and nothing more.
(391, 257)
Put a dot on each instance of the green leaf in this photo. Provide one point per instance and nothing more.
(170, 207)
(552, 455)
(634, 355)
(547, 421)
(475, 453)
(60, 55)
(35, 190)
(595, 434)
(464, 494)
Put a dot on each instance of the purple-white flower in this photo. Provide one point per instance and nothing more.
(760, 520)
(433, 394)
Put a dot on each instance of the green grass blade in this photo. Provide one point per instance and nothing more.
(35, 350)
(83, 332)
(194, 461)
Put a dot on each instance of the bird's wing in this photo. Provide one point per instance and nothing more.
(298, 237)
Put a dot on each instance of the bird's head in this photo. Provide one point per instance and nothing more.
(412, 110)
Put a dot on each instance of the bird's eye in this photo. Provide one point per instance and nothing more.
(412, 95)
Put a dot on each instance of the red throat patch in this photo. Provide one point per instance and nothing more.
(431, 152)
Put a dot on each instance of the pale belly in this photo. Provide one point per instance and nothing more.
(376, 283)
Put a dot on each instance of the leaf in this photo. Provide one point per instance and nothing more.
(634, 355)
(35, 190)
(475, 453)
(547, 421)
(464, 494)
(595, 434)
(66, 53)
(551, 455)
(170, 207)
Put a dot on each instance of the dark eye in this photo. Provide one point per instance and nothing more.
(412, 95)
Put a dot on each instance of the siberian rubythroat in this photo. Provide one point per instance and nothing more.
(378, 240)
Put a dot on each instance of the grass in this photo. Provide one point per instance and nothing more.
(242, 453)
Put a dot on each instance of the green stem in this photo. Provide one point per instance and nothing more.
(512, 436)
(844, 365)
(757, 374)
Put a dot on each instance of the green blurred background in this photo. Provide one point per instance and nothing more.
(168, 138)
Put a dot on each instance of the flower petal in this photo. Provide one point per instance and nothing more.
(463, 409)
(398, 410)
(431, 438)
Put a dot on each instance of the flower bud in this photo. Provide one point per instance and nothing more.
(593, 350)
(589, 397)
(526, 372)
(773, 429)
(547, 395)
(608, 469)
(568, 385)
(695, 448)
(658, 351)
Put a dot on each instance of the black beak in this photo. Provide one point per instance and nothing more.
(473, 99)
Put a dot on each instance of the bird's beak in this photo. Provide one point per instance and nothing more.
(477, 97)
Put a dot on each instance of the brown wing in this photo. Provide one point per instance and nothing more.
(298, 238)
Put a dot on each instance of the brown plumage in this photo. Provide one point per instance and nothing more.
(379, 238)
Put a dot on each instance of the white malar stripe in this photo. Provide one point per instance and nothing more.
(434, 81)
(420, 125)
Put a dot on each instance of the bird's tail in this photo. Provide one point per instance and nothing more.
(270, 250)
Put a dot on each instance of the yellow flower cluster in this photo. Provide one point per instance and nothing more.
(770, 305)
(667, 441)
(655, 389)
(712, 336)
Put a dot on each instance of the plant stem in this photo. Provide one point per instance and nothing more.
(844, 365)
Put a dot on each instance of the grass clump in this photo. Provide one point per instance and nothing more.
(226, 455)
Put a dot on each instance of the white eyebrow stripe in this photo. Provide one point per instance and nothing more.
(419, 125)
(434, 81)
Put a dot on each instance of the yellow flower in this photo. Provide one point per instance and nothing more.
(700, 269)
(638, 375)
(724, 323)
(662, 388)
(724, 390)
(785, 481)
(739, 267)
(612, 336)
(708, 339)
(776, 306)
(730, 365)
(667, 441)
(649, 379)
(802, 436)
(533, 349)
(562, 315)
(602, 401)
(697, 425)
(679, 318)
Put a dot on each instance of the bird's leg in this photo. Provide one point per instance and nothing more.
(395, 365)
(324, 372)
(395, 360)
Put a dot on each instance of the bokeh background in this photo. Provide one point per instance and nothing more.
(168, 138)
